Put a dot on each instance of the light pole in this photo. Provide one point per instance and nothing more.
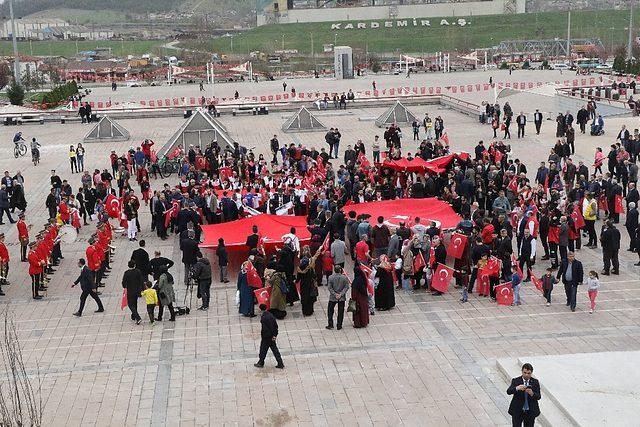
(612, 33)
(282, 41)
(335, 39)
(16, 60)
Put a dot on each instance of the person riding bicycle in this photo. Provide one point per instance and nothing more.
(35, 153)
(17, 138)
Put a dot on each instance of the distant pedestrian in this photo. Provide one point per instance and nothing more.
(268, 335)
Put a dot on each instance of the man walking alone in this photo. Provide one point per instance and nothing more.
(268, 334)
(88, 286)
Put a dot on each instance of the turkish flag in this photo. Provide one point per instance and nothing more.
(321, 169)
(514, 261)
(457, 246)
(364, 162)
(546, 183)
(112, 206)
(602, 202)
(325, 243)
(123, 301)
(201, 163)
(504, 294)
(253, 278)
(367, 273)
(225, 173)
(578, 219)
(445, 139)
(260, 246)
(498, 156)
(536, 281)
(618, 205)
(513, 185)
(418, 262)
(483, 283)
(493, 267)
(441, 278)
(263, 296)
(175, 153)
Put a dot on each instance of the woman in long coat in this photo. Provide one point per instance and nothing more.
(246, 293)
(306, 274)
(277, 281)
(361, 297)
(166, 294)
(384, 295)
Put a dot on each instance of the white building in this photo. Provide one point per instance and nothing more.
(26, 27)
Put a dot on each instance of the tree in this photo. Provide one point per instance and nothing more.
(619, 64)
(5, 74)
(374, 63)
(15, 93)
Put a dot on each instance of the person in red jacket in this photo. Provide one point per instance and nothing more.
(35, 270)
(63, 209)
(23, 236)
(4, 263)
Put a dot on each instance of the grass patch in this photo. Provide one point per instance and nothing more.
(484, 31)
(82, 16)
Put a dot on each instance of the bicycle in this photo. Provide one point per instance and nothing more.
(19, 149)
(169, 166)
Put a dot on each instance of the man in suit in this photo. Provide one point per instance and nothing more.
(141, 257)
(521, 121)
(268, 335)
(537, 120)
(524, 404)
(572, 273)
(133, 282)
(88, 286)
(632, 224)
(610, 242)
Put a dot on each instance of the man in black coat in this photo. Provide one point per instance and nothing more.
(88, 286)
(524, 404)
(610, 241)
(268, 335)
(159, 264)
(253, 238)
(537, 120)
(189, 248)
(141, 258)
(631, 225)
(133, 282)
(572, 274)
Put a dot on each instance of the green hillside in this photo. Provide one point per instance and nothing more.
(68, 48)
(483, 31)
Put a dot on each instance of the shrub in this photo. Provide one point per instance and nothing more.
(504, 66)
(60, 93)
(15, 93)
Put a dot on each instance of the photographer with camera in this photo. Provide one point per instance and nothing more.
(201, 275)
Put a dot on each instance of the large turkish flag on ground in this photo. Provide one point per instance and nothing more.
(457, 246)
(263, 296)
(504, 294)
(441, 278)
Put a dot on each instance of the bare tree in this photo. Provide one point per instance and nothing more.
(20, 403)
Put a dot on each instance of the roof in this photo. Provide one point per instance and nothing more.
(303, 121)
(199, 130)
(397, 113)
(107, 130)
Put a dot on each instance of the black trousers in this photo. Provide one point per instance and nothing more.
(553, 254)
(547, 295)
(94, 295)
(4, 273)
(589, 224)
(266, 344)
(523, 418)
(161, 311)
(204, 290)
(538, 127)
(3, 211)
(520, 131)
(526, 262)
(610, 257)
(150, 311)
(35, 284)
(332, 306)
(23, 250)
(132, 303)
(563, 252)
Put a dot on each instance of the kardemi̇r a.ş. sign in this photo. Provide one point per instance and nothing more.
(399, 23)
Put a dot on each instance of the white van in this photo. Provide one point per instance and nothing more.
(559, 66)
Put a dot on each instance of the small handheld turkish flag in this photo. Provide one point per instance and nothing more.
(325, 244)
(493, 267)
(418, 262)
(514, 261)
(484, 282)
(253, 278)
(536, 281)
(578, 219)
(457, 246)
(504, 294)
(441, 278)
(124, 302)
(602, 202)
(263, 296)
(112, 205)
(619, 206)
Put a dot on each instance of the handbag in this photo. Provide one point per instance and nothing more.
(352, 307)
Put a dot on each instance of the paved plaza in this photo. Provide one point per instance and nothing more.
(431, 361)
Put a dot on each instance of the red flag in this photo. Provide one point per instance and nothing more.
(618, 205)
(602, 202)
(418, 262)
(123, 301)
(493, 267)
(263, 296)
(441, 278)
(498, 156)
(445, 138)
(536, 281)
(175, 153)
(457, 246)
(514, 261)
(504, 294)
(513, 185)
(578, 219)
(225, 173)
(260, 246)
(112, 206)
(325, 243)
(546, 183)
(320, 166)
(367, 273)
(253, 278)
(483, 283)
(364, 162)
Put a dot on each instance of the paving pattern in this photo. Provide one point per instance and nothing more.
(430, 361)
